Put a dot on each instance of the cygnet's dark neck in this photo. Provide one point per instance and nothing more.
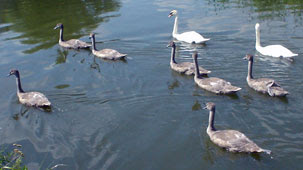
(211, 120)
(250, 67)
(173, 52)
(197, 71)
(18, 82)
(93, 43)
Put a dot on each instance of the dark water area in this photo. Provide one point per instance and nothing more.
(138, 113)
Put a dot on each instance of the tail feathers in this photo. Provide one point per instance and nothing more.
(203, 71)
(290, 56)
(238, 88)
(230, 90)
(274, 89)
(266, 151)
(202, 41)
(235, 89)
(123, 55)
(277, 91)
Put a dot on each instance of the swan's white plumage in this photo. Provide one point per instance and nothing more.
(271, 50)
(276, 51)
(190, 36)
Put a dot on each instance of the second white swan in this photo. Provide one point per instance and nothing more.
(190, 36)
(271, 50)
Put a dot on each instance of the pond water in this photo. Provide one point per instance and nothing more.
(138, 113)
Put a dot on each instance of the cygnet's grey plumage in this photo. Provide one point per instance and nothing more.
(231, 140)
(186, 68)
(72, 43)
(263, 85)
(109, 54)
(36, 99)
(213, 84)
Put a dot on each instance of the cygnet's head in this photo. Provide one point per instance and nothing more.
(171, 44)
(59, 25)
(173, 13)
(210, 106)
(91, 35)
(248, 57)
(195, 55)
(14, 72)
(257, 26)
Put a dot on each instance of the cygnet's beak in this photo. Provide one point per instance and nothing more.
(56, 27)
(205, 107)
(170, 15)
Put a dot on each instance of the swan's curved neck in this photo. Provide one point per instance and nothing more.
(211, 120)
(172, 57)
(61, 34)
(250, 66)
(18, 82)
(175, 30)
(93, 43)
(197, 71)
(258, 44)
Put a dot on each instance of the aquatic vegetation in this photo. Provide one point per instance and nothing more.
(12, 160)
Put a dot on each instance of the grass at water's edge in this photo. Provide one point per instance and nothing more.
(12, 160)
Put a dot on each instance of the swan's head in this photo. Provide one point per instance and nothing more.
(248, 57)
(91, 35)
(14, 72)
(257, 27)
(210, 106)
(171, 44)
(59, 25)
(173, 13)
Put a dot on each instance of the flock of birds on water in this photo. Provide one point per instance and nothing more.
(231, 140)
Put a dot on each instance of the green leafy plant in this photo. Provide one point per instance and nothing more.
(12, 160)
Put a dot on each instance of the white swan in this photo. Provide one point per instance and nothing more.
(271, 50)
(189, 37)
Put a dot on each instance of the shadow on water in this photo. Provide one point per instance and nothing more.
(173, 85)
(62, 86)
(196, 106)
(62, 56)
(35, 19)
(275, 61)
(94, 65)
(23, 112)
